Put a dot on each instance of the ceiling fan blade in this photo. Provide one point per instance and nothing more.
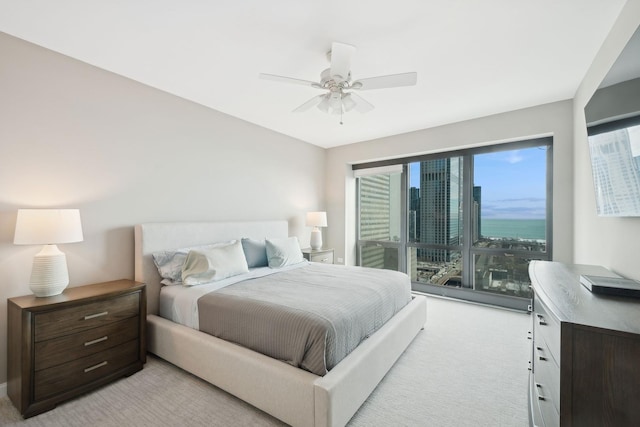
(289, 80)
(341, 61)
(382, 82)
(362, 105)
(309, 104)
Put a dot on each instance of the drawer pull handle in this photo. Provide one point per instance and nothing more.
(540, 397)
(93, 316)
(541, 320)
(543, 358)
(91, 368)
(96, 341)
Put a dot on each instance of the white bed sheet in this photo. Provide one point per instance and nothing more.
(180, 303)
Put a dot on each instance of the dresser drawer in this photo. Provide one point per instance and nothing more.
(547, 328)
(61, 350)
(542, 412)
(61, 378)
(66, 321)
(535, 413)
(550, 415)
(547, 375)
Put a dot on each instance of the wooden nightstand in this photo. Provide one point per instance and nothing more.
(62, 346)
(318, 255)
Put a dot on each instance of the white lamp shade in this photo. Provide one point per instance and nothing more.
(47, 226)
(316, 219)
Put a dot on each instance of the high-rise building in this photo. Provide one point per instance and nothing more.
(414, 213)
(440, 197)
(380, 212)
(477, 213)
(616, 173)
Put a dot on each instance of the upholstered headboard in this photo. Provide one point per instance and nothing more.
(153, 237)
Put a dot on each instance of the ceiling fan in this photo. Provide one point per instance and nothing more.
(339, 96)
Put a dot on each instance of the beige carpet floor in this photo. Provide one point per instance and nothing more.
(468, 367)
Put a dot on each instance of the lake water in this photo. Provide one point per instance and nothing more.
(530, 229)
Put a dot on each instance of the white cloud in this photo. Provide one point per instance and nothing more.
(514, 157)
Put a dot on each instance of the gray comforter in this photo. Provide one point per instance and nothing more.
(311, 317)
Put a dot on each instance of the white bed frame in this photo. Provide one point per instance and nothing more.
(295, 396)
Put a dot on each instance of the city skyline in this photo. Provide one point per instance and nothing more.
(505, 177)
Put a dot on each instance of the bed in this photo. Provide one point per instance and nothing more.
(293, 395)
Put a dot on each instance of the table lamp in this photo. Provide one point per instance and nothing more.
(315, 220)
(48, 227)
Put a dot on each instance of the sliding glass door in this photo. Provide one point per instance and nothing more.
(510, 219)
(462, 224)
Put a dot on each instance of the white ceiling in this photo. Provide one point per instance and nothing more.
(473, 58)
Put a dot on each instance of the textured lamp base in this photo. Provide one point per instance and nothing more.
(49, 275)
(316, 238)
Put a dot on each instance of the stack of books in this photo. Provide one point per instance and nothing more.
(611, 285)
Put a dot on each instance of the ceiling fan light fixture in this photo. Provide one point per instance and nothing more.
(335, 104)
(347, 102)
(324, 104)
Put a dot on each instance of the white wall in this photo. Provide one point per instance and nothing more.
(552, 119)
(72, 135)
(611, 242)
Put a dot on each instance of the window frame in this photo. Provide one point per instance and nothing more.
(467, 249)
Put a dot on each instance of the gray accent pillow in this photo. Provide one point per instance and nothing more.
(213, 264)
(255, 251)
(283, 252)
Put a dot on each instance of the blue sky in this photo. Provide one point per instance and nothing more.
(513, 183)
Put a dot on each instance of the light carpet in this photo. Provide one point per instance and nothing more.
(468, 367)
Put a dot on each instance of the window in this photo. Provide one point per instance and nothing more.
(463, 224)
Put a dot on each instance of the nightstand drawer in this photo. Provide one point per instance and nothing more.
(49, 382)
(61, 350)
(318, 255)
(325, 257)
(66, 321)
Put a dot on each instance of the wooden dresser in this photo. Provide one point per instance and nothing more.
(68, 344)
(585, 367)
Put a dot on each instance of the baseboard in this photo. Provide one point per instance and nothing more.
(3, 390)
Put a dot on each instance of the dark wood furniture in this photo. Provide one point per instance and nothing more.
(585, 368)
(68, 344)
(318, 255)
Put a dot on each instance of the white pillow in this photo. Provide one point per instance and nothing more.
(213, 264)
(169, 263)
(283, 252)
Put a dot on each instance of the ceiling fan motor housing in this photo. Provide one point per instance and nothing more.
(327, 80)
